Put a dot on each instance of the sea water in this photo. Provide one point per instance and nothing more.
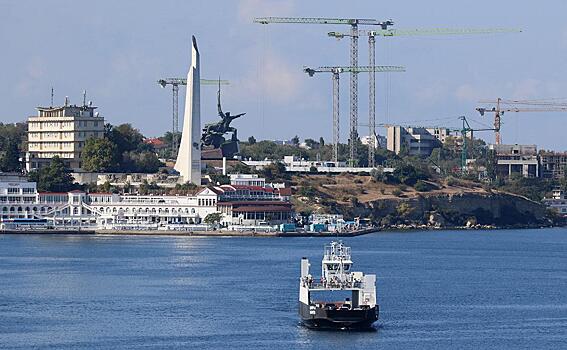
(503, 289)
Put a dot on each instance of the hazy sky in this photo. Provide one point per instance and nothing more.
(116, 50)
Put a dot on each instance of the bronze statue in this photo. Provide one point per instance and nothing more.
(213, 133)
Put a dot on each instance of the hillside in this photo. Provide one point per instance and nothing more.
(449, 203)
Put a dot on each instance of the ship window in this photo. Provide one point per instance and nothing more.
(346, 267)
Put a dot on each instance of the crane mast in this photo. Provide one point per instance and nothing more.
(388, 32)
(336, 71)
(354, 23)
(175, 82)
(500, 106)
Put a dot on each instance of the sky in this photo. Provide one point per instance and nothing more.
(117, 50)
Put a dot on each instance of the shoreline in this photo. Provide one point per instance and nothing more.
(260, 234)
(191, 233)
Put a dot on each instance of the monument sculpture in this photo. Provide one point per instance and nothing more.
(213, 133)
(188, 162)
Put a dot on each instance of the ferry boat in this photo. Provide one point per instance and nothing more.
(357, 311)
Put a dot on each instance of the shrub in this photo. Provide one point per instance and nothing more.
(421, 186)
(396, 192)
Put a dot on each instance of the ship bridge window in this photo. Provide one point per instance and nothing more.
(346, 267)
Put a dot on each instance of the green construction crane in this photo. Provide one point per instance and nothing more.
(336, 71)
(464, 130)
(354, 23)
(387, 32)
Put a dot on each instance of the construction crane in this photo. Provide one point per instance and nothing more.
(354, 23)
(500, 106)
(387, 32)
(464, 130)
(175, 82)
(336, 71)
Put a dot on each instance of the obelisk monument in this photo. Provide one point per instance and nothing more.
(188, 162)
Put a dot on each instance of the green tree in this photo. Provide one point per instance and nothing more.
(275, 171)
(10, 160)
(148, 162)
(99, 155)
(251, 140)
(321, 141)
(213, 218)
(126, 140)
(295, 140)
(220, 179)
(53, 178)
(311, 143)
(12, 144)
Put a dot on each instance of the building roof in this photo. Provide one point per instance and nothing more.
(255, 203)
(154, 141)
(286, 191)
(261, 208)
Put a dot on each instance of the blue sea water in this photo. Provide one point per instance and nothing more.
(502, 289)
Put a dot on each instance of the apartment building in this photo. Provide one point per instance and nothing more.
(61, 131)
(418, 141)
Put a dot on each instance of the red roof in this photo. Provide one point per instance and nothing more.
(285, 191)
(154, 141)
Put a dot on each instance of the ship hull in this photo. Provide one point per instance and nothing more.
(323, 318)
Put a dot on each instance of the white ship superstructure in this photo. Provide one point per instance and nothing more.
(358, 311)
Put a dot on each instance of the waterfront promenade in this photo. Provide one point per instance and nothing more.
(210, 233)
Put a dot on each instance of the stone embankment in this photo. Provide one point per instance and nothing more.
(195, 233)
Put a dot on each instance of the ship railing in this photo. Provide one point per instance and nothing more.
(333, 284)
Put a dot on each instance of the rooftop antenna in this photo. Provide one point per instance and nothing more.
(84, 98)
(51, 97)
(66, 101)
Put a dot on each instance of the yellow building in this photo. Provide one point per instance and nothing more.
(61, 131)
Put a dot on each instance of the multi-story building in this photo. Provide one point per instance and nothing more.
(18, 198)
(61, 131)
(247, 180)
(516, 159)
(418, 141)
(553, 164)
(557, 202)
(379, 140)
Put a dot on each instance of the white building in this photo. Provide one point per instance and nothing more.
(418, 141)
(239, 205)
(379, 140)
(18, 198)
(61, 131)
(557, 202)
(247, 180)
(106, 210)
